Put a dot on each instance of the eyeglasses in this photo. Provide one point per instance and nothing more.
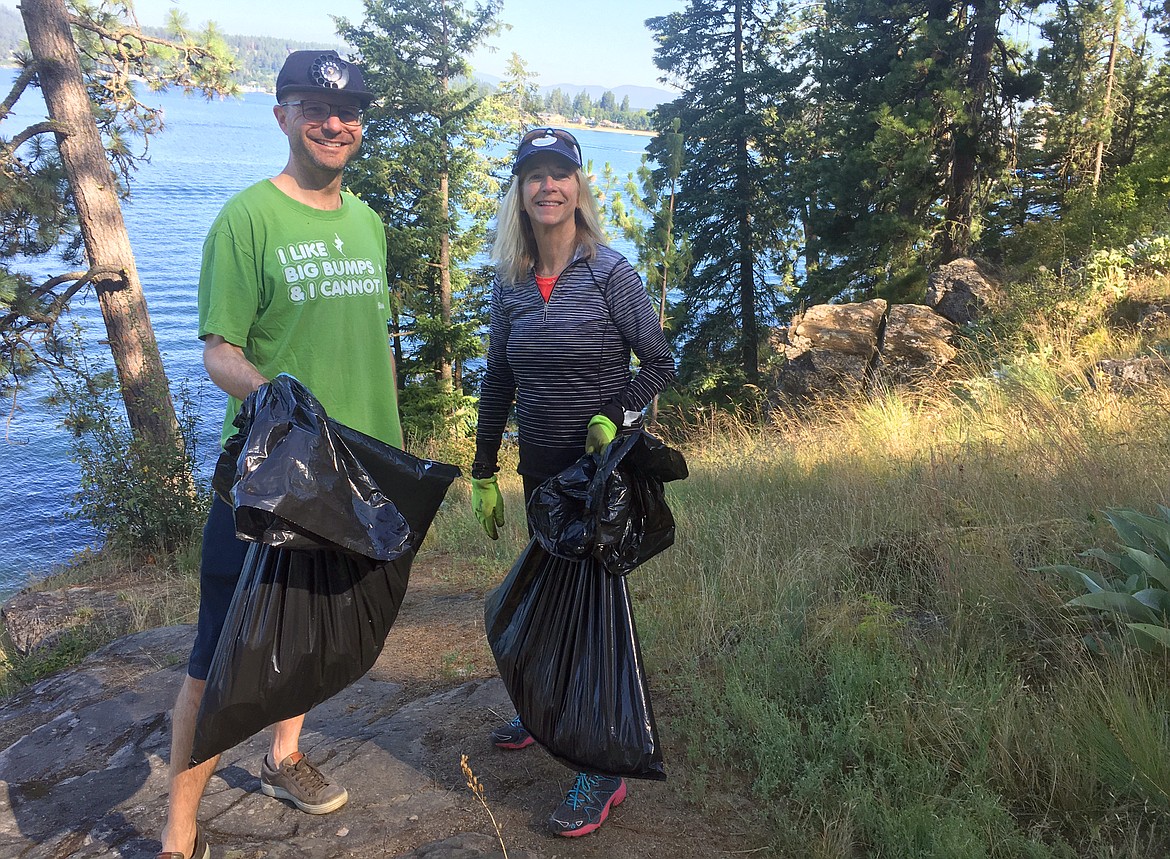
(320, 111)
(558, 133)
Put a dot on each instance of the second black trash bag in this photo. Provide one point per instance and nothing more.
(563, 635)
(611, 506)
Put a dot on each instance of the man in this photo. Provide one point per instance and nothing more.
(293, 281)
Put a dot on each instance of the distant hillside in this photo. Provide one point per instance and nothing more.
(11, 33)
(260, 58)
(641, 97)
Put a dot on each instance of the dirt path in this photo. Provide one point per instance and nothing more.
(437, 643)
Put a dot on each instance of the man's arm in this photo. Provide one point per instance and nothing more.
(229, 369)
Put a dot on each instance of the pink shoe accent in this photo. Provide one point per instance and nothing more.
(618, 796)
(523, 744)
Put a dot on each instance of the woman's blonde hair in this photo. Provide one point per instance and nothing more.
(514, 251)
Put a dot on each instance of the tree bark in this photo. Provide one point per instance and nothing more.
(967, 132)
(145, 391)
(446, 376)
(1107, 106)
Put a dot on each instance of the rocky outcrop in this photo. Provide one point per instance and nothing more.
(843, 348)
(963, 291)
(1128, 375)
(84, 771)
(83, 761)
(38, 619)
(830, 348)
(917, 343)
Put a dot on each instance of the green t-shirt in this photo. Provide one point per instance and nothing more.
(303, 291)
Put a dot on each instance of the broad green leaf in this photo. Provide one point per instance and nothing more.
(1118, 560)
(1151, 565)
(1155, 531)
(1117, 603)
(1091, 580)
(1156, 598)
(1159, 634)
(1129, 533)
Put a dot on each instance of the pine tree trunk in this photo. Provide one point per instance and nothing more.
(967, 132)
(446, 375)
(137, 361)
(1107, 106)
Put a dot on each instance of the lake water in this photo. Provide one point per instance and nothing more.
(208, 151)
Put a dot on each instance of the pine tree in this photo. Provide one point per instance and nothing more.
(719, 53)
(422, 170)
(913, 134)
(62, 180)
(518, 100)
(643, 209)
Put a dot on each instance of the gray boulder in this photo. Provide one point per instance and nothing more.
(843, 348)
(830, 348)
(1131, 374)
(963, 291)
(917, 343)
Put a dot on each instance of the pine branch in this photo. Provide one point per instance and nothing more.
(18, 87)
(46, 127)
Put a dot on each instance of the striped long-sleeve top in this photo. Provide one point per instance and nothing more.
(565, 360)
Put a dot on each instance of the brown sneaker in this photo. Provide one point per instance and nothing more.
(302, 783)
(199, 851)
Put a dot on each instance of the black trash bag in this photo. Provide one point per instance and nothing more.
(610, 506)
(294, 480)
(563, 635)
(305, 623)
(302, 626)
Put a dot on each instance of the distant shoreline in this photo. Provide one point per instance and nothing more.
(578, 127)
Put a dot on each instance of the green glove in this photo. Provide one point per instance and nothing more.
(488, 504)
(601, 433)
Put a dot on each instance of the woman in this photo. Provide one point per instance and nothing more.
(566, 313)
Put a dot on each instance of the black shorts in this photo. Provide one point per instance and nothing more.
(219, 571)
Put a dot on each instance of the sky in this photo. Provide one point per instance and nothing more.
(602, 42)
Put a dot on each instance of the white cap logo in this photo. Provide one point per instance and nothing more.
(547, 140)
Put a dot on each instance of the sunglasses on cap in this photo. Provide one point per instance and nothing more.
(320, 111)
(555, 140)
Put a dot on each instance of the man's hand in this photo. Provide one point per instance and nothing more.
(601, 432)
(229, 369)
(488, 504)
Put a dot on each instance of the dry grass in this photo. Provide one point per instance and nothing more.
(850, 614)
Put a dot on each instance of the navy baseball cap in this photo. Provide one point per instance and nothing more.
(555, 140)
(305, 71)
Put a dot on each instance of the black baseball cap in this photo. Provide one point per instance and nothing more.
(555, 140)
(306, 71)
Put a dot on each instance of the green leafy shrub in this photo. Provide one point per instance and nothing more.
(1133, 589)
(141, 496)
